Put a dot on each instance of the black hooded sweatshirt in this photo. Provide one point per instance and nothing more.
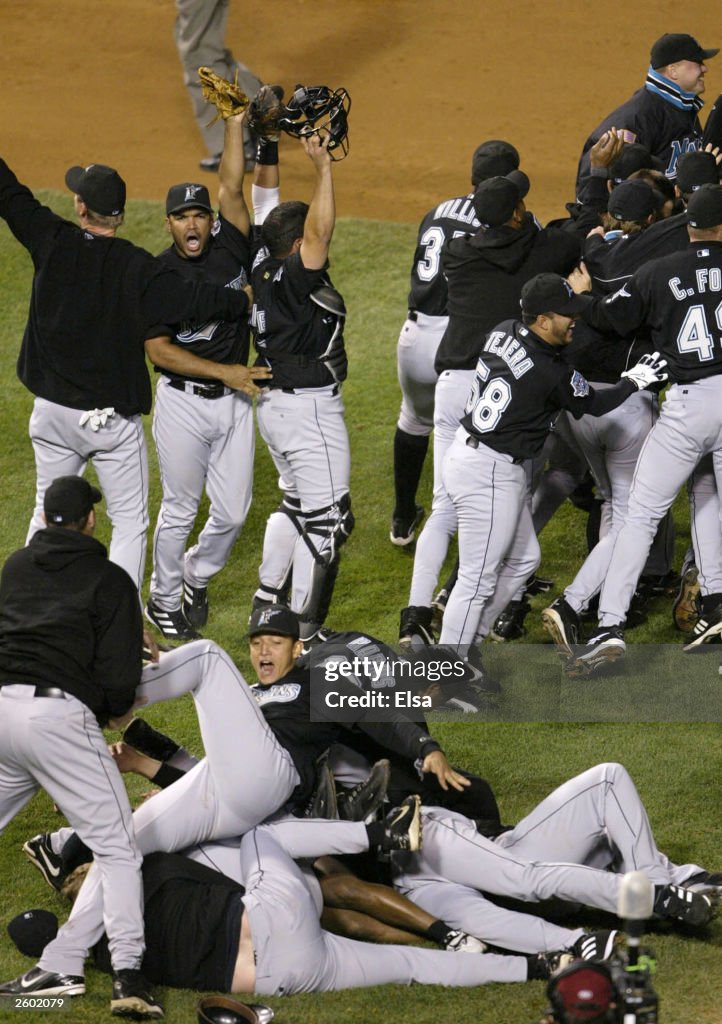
(485, 274)
(70, 618)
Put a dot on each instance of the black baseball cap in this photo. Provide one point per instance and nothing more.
(32, 930)
(634, 200)
(634, 157)
(704, 209)
(187, 195)
(695, 169)
(275, 619)
(69, 499)
(550, 293)
(674, 46)
(101, 188)
(493, 158)
(496, 198)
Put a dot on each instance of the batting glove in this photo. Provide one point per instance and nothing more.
(97, 418)
(649, 370)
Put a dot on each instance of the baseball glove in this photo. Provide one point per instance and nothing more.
(227, 97)
(264, 111)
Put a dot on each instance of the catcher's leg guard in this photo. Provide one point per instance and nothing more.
(324, 532)
(282, 532)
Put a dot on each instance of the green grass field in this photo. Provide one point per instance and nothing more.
(659, 715)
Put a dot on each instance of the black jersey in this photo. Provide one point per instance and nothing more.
(521, 384)
(306, 726)
(94, 301)
(226, 261)
(291, 330)
(485, 273)
(448, 220)
(611, 260)
(660, 116)
(679, 299)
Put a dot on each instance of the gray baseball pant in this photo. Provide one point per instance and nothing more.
(119, 455)
(201, 443)
(415, 354)
(294, 954)
(561, 849)
(57, 743)
(689, 427)
(704, 513)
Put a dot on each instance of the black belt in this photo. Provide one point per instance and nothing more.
(292, 391)
(202, 390)
(41, 691)
(474, 442)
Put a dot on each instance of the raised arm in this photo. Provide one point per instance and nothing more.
(231, 201)
(321, 217)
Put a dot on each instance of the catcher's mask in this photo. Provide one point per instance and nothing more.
(316, 110)
(583, 993)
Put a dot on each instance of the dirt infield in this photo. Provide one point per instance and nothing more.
(428, 79)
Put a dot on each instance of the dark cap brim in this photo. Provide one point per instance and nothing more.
(189, 206)
(572, 306)
(706, 54)
(73, 178)
(520, 180)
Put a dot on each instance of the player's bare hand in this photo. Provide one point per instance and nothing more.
(249, 292)
(715, 151)
(437, 764)
(580, 280)
(243, 378)
(598, 230)
(316, 147)
(606, 149)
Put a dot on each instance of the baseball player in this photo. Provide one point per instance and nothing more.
(676, 298)
(521, 382)
(663, 114)
(485, 272)
(423, 330)
(94, 299)
(298, 320)
(203, 418)
(199, 31)
(70, 659)
(564, 848)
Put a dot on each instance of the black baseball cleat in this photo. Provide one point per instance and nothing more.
(541, 966)
(510, 623)
(684, 905)
(211, 163)
(363, 802)
(686, 607)
(403, 531)
(133, 998)
(39, 852)
(195, 605)
(415, 627)
(402, 826)
(708, 625)
(604, 645)
(563, 625)
(706, 882)
(538, 585)
(596, 945)
(173, 625)
(37, 982)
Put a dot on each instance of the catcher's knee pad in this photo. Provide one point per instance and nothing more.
(326, 530)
